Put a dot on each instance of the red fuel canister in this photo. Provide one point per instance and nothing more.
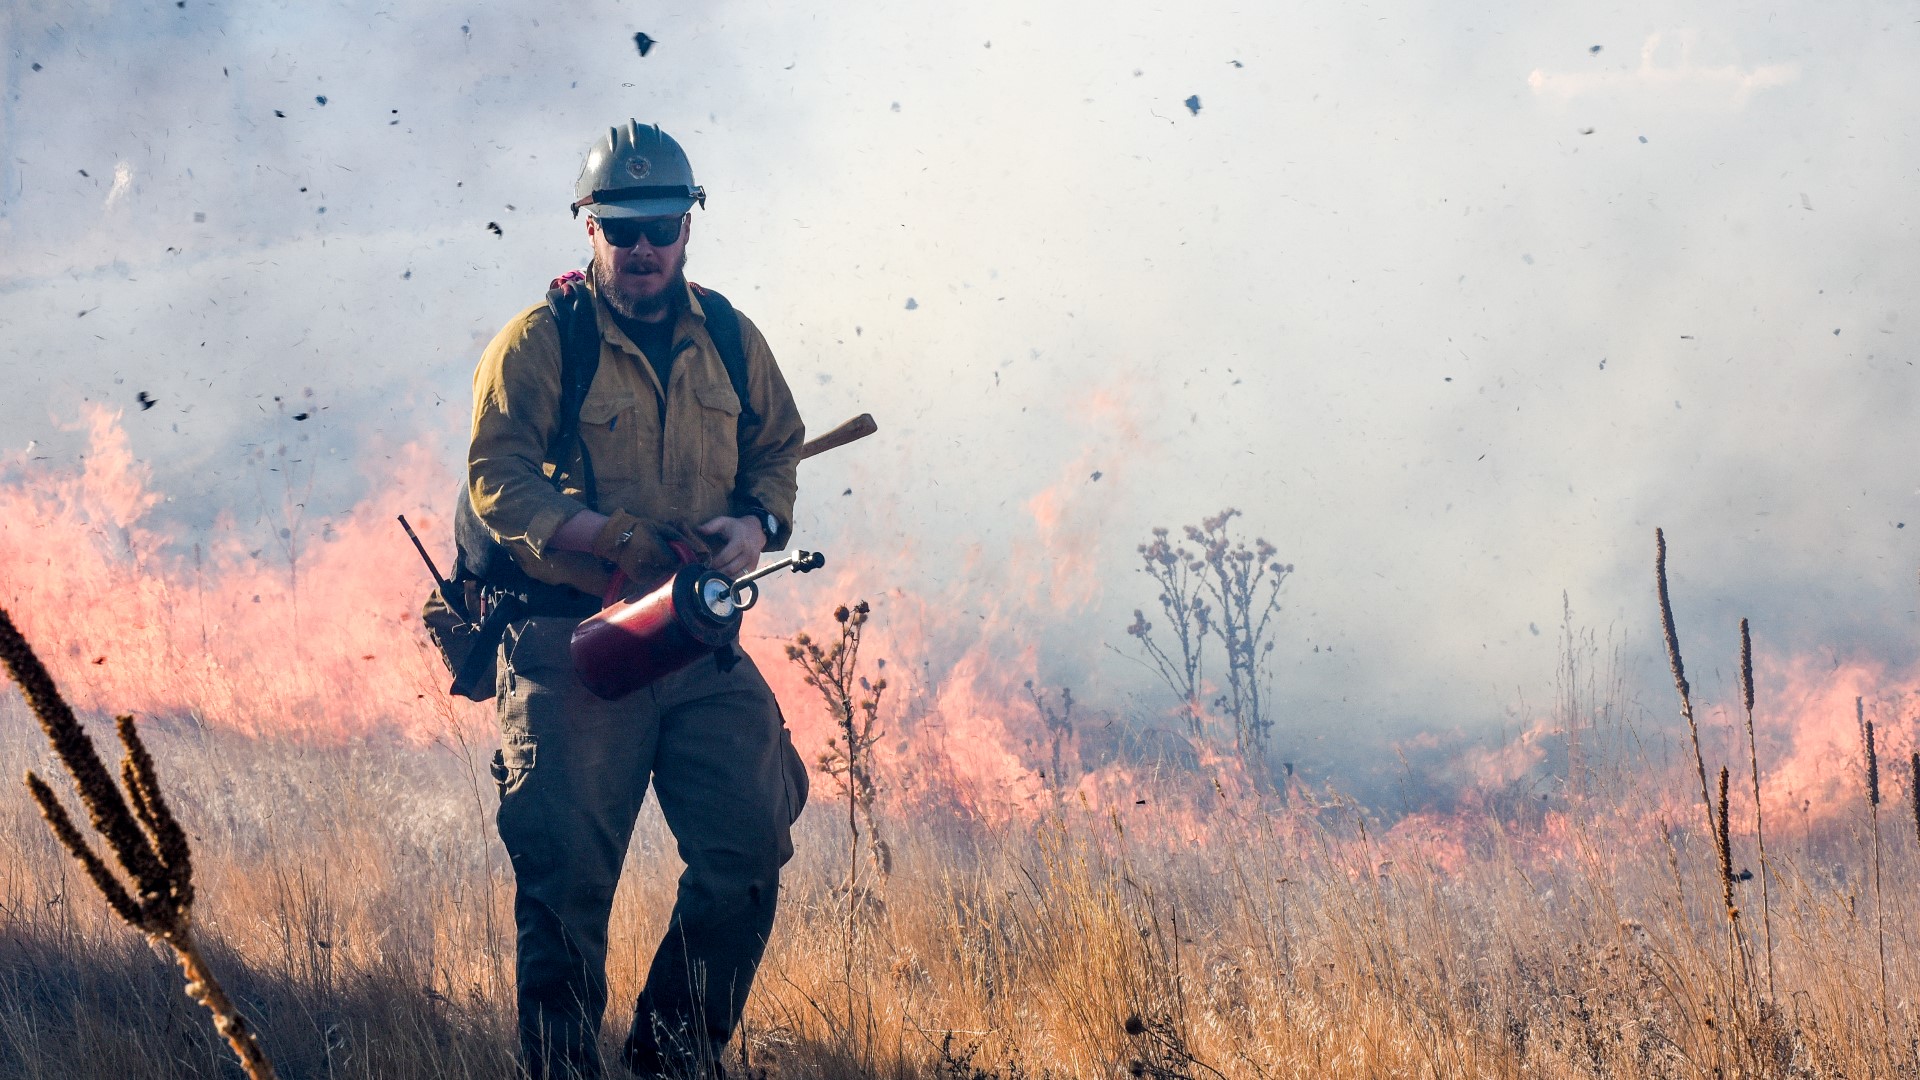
(633, 643)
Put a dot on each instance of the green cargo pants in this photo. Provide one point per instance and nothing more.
(573, 771)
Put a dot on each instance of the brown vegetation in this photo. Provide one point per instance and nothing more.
(139, 829)
(361, 904)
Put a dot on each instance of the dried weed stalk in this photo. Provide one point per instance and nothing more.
(1913, 792)
(1679, 670)
(848, 759)
(1719, 826)
(1759, 822)
(1724, 842)
(1190, 618)
(1059, 730)
(140, 830)
(1873, 821)
(1231, 591)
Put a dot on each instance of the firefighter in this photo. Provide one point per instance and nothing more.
(679, 465)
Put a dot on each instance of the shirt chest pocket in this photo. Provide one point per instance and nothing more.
(719, 433)
(616, 433)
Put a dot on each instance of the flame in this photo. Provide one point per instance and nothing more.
(1812, 746)
(315, 635)
(311, 629)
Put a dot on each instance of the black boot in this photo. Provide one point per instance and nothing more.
(658, 1048)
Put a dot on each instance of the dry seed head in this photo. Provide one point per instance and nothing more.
(1726, 848)
(70, 838)
(106, 808)
(1913, 791)
(1746, 666)
(1666, 614)
(1873, 769)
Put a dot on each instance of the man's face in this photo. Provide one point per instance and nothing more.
(639, 281)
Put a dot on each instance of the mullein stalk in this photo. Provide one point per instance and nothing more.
(139, 829)
(1679, 670)
(1873, 820)
(1759, 822)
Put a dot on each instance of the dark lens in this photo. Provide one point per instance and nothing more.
(661, 232)
(620, 232)
(626, 232)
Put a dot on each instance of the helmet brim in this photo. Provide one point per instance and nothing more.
(672, 206)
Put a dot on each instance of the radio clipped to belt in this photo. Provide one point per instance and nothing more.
(692, 614)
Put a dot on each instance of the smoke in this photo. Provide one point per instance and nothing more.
(1453, 308)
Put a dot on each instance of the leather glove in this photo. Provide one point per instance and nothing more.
(635, 546)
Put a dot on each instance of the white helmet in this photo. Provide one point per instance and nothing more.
(636, 171)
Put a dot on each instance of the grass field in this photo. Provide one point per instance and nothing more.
(359, 905)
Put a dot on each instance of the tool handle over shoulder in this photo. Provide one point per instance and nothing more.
(853, 430)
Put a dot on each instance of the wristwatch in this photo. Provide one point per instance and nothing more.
(768, 522)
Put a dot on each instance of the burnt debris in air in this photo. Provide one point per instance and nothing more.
(644, 43)
(1193, 104)
(146, 400)
(494, 227)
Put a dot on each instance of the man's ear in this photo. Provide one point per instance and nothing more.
(591, 229)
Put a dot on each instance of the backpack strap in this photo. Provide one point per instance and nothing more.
(723, 326)
(579, 330)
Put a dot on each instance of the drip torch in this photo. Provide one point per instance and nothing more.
(692, 614)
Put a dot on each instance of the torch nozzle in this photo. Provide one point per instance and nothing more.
(746, 592)
(800, 562)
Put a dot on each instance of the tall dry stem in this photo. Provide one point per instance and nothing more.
(848, 759)
(1873, 823)
(1913, 792)
(1723, 843)
(1177, 572)
(1759, 821)
(140, 830)
(1680, 670)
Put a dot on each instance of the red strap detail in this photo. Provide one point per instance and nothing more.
(565, 282)
(684, 551)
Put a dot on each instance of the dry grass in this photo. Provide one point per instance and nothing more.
(358, 898)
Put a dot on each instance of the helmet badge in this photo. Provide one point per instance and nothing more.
(639, 167)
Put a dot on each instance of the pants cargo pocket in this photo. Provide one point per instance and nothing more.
(512, 762)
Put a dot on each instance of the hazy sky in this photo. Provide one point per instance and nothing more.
(1455, 302)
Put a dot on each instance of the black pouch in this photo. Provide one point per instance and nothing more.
(469, 647)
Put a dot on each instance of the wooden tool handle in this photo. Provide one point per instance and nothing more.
(857, 428)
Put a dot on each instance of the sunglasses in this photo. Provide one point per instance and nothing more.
(626, 232)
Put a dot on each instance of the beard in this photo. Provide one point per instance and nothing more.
(635, 300)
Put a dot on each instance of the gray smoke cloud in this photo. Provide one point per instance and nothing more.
(1454, 307)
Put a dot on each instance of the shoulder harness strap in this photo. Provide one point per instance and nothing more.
(579, 330)
(723, 326)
